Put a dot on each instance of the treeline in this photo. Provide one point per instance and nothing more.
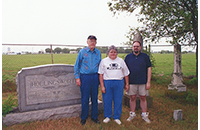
(59, 50)
(168, 52)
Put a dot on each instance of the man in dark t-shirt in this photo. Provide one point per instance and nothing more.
(139, 65)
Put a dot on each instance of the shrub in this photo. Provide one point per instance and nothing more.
(193, 81)
(192, 98)
(8, 105)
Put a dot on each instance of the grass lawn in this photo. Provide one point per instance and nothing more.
(11, 64)
(164, 64)
(161, 113)
(161, 116)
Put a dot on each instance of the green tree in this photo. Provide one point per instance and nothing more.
(128, 50)
(48, 50)
(65, 50)
(120, 50)
(57, 50)
(176, 20)
(78, 49)
(103, 49)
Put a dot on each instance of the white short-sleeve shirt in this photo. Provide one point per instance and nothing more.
(113, 69)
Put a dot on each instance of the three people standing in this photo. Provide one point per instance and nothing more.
(115, 74)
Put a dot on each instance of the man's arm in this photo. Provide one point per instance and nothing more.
(77, 70)
(148, 84)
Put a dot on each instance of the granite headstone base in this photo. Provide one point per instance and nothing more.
(178, 88)
(45, 114)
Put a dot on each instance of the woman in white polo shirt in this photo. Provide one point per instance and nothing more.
(112, 72)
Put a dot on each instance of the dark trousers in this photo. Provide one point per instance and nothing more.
(89, 88)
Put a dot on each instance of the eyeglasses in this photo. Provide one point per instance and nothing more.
(136, 46)
(92, 41)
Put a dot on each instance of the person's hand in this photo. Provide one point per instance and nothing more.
(126, 87)
(148, 85)
(103, 89)
(78, 82)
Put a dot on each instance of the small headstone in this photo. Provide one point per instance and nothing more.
(178, 115)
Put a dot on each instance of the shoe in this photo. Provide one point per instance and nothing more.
(96, 121)
(132, 116)
(106, 120)
(145, 117)
(118, 121)
(83, 122)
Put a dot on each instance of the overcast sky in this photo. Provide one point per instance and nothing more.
(64, 22)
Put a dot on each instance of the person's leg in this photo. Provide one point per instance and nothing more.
(133, 90)
(85, 93)
(107, 99)
(133, 96)
(133, 102)
(94, 95)
(142, 95)
(118, 86)
(143, 103)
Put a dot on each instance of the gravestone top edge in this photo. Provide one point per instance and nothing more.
(46, 65)
(43, 66)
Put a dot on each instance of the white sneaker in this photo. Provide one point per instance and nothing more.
(118, 121)
(106, 120)
(145, 117)
(132, 116)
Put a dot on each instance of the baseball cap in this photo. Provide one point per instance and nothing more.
(92, 37)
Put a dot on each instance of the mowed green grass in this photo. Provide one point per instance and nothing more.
(161, 112)
(11, 64)
(164, 64)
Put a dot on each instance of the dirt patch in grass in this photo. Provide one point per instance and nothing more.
(8, 86)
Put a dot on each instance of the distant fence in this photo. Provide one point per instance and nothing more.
(14, 49)
(17, 49)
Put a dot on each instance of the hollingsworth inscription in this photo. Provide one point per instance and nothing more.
(47, 86)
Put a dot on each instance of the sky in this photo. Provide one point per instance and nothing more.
(64, 22)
